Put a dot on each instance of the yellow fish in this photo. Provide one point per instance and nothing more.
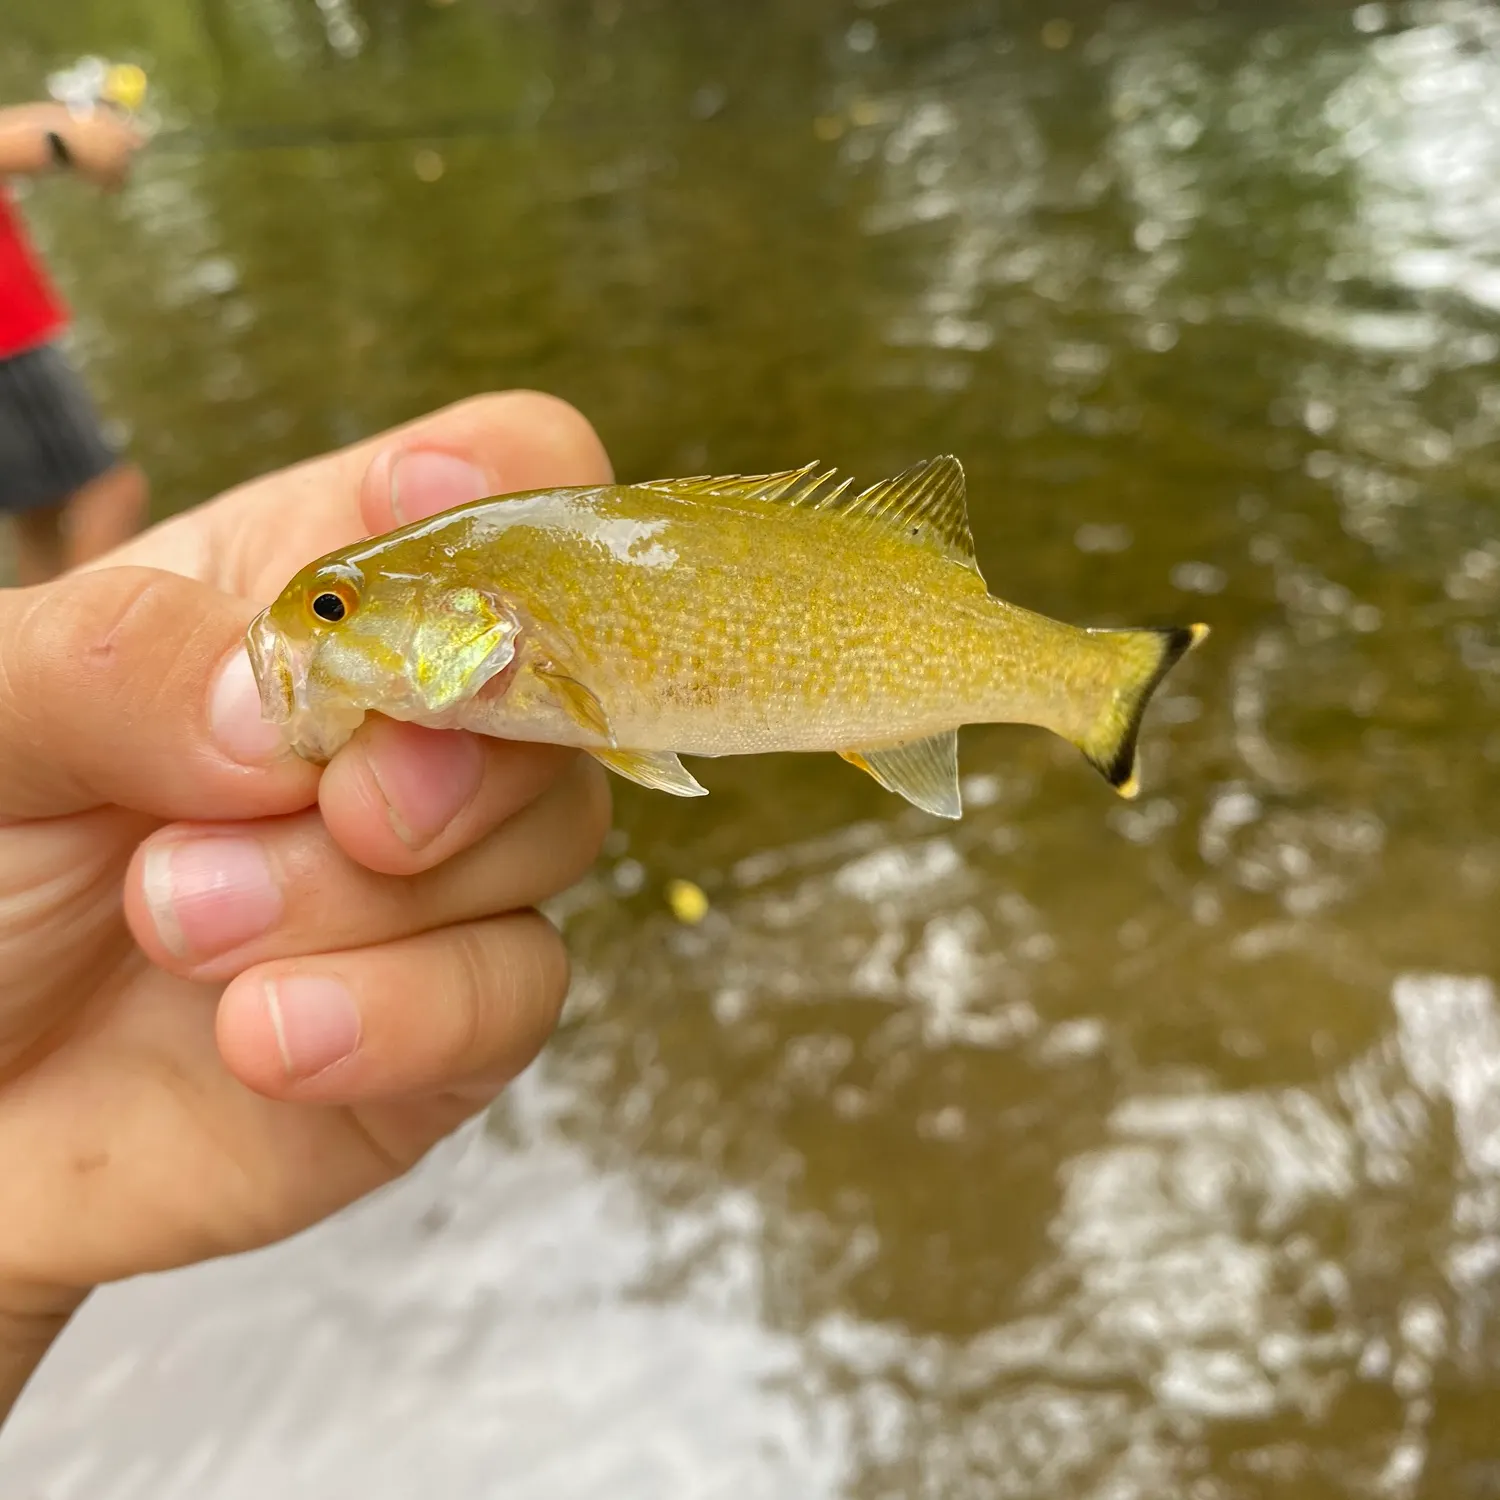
(730, 616)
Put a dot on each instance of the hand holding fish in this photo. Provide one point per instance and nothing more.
(209, 951)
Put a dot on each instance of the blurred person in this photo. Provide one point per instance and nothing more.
(69, 494)
(238, 991)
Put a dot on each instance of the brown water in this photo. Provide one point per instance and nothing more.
(1085, 1150)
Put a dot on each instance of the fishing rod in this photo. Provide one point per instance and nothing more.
(198, 139)
(92, 83)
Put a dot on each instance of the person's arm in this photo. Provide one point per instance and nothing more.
(44, 137)
(25, 148)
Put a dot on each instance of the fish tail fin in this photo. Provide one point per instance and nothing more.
(1143, 657)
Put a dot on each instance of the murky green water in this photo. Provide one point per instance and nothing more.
(1081, 1150)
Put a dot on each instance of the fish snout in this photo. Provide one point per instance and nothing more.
(271, 662)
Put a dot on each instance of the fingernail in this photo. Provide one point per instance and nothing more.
(315, 1020)
(426, 776)
(209, 895)
(235, 718)
(424, 482)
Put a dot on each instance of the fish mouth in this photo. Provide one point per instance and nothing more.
(271, 662)
(281, 673)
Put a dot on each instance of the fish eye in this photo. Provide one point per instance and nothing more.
(334, 603)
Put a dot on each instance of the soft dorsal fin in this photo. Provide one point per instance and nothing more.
(925, 501)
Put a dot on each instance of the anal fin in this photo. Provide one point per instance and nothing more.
(925, 772)
(658, 769)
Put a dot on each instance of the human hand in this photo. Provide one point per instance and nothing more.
(235, 993)
(101, 143)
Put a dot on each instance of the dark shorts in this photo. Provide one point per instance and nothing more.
(51, 440)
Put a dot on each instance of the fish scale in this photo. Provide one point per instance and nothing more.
(792, 659)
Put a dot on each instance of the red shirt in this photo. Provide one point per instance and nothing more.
(31, 311)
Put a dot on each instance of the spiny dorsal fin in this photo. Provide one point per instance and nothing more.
(805, 486)
(927, 502)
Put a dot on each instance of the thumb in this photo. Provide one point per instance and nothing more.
(131, 686)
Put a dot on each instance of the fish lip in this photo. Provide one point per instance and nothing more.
(271, 664)
(280, 665)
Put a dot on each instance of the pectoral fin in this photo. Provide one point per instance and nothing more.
(581, 704)
(658, 769)
(925, 772)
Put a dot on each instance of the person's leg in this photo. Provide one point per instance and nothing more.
(106, 512)
(39, 553)
(70, 494)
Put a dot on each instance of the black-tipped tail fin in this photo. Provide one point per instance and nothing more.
(1146, 656)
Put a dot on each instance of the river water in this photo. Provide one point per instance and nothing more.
(1080, 1149)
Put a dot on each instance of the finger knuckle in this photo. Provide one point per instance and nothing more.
(104, 618)
(601, 800)
(550, 974)
(471, 979)
(76, 632)
(593, 808)
(510, 976)
(539, 984)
